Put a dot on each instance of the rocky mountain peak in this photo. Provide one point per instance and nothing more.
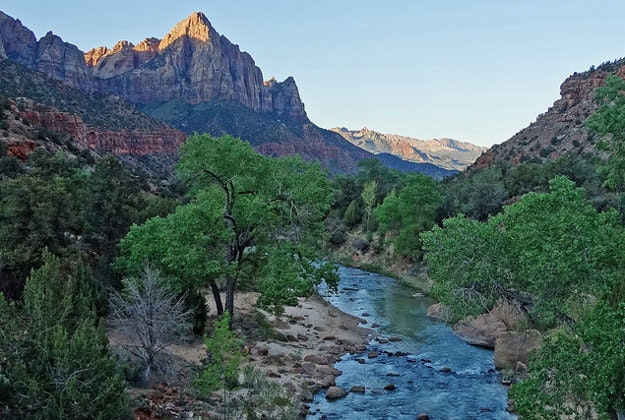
(196, 27)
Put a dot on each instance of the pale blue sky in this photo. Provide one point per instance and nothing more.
(476, 71)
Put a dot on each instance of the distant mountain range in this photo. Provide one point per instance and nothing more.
(445, 153)
(193, 79)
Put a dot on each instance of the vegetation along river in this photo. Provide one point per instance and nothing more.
(434, 371)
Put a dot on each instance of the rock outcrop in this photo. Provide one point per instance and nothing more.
(514, 347)
(560, 130)
(192, 63)
(165, 140)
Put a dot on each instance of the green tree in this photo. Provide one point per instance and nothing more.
(368, 198)
(578, 371)
(554, 248)
(222, 366)
(55, 361)
(262, 219)
(352, 214)
(186, 246)
(112, 202)
(407, 214)
(38, 210)
(609, 121)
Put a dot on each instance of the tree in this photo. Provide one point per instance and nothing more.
(553, 247)
(409, 213)
(352, 214)
(112, 201)
(368, 198)
(221, 368)
(55, 360)
(186, 246)
(37, 211)
(150, 318)
(609, 121)
(578, 371)
(262, 219)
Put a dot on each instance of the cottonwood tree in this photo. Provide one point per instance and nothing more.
(150, 318)
(553, 247)
(609, 121)
(261, 217)
(406, 214)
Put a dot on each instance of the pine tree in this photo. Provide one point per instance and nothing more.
(55, 361)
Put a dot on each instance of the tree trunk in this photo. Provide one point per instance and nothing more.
(217, 298)
(230, 296)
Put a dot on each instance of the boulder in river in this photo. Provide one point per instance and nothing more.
(335, 392)
(513, 347)
(390, 387)
(438, 311)
(482, 330)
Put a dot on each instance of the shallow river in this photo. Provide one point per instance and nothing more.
(434, 372)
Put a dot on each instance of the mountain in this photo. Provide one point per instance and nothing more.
(445, 153)
(195, 80)
(41, 111)
(560, 130)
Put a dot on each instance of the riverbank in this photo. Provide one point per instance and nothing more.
(307, 340)
(317, 335)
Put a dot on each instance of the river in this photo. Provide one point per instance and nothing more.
(433, 371)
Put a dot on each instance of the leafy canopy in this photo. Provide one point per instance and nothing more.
(251, 220)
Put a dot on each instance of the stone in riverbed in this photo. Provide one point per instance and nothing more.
(513, 347)
(482, 330)
(390, 387)
(328, 381)
(423, 416)
(359, 389)
(439, 312)
(394, 339)
(372, 354)
(335, 392)
(329, 370)
(316, 359)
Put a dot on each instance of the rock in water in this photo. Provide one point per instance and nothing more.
(335, 392)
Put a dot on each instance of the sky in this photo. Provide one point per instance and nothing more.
(476, 71)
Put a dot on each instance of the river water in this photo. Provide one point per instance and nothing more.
(434, 372)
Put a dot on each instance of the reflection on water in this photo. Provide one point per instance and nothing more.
(434, 372)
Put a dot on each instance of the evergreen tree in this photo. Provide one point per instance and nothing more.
(55, 360)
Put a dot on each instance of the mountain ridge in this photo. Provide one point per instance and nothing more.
(560, 130)
(444, 152)
(197, 66)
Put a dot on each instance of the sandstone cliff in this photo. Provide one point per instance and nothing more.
(192, 63)
(445, 153)
(560, 130)
(193, 79)
(45, 113)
